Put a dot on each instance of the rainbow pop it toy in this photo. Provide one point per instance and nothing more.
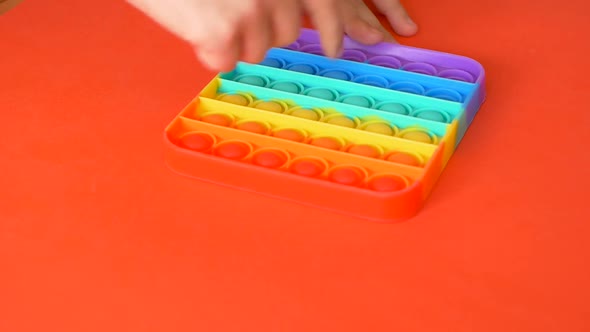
(366, 135)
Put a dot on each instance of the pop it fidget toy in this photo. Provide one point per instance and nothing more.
(366, 135)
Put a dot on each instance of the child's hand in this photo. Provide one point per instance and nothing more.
(226, 31)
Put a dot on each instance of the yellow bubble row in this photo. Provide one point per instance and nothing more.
(299, 130)
(372, 124)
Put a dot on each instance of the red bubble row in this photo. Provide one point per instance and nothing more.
(308, 166)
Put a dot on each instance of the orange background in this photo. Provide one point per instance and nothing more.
(96, 234)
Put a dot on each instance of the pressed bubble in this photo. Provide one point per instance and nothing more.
(254, 127)
(233, 150)
(404, 158)
(197, 141)
(387, 183)
(237, 99)
(252, 80)
(309, 166)
(327, 142)
(290, 134)
(270, 158)
(365, 150)
(217, 119)
(347, 175)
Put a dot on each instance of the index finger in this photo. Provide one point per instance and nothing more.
(324, 15)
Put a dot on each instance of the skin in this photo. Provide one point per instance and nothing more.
(223, 32)
(6, 5)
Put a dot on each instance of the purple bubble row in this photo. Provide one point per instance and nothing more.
(389, 61)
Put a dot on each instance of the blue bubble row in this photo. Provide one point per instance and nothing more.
(326, 68)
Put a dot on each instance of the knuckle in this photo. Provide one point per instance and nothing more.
(250, 9)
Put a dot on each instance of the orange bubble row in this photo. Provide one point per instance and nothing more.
(322, 141)
(280, 159)
(374, 124)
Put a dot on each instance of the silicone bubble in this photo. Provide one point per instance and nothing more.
(387, 183)
(235, 150)
(218, 119)
(446, 94)
(270, 158)
(342, 121)
(286, 86)
(358, 100)
(337, 74)
(409, 87)
(305, 68)
(254, 127)
(235, 98)
(328, 142)
(273, 62)
(393, 107)
(312, 49)
(366, 150)
(275, 106)
(322, 93)
(354, 55)
(379, 127)
(289, 134)
(457, 75)
(372, 80)
(420, 68)
(417, 135)
(256, 80)
(309, 166)
(404, 158)
(347, 175)
(293, 46)
(432, 115)
(306, 113)
(385, 61)
(197, 141)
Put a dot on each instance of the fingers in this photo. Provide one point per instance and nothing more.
(222, 57)
(286, 22)
(324, 16)
(266, 25)
(397, 16)
(245, 33)
(333, 19)
(362, 25)
(256, 34)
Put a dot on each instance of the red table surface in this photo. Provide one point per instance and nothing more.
(96, 234)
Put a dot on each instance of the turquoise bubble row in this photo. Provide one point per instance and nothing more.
(386, 108)
(408, 107)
